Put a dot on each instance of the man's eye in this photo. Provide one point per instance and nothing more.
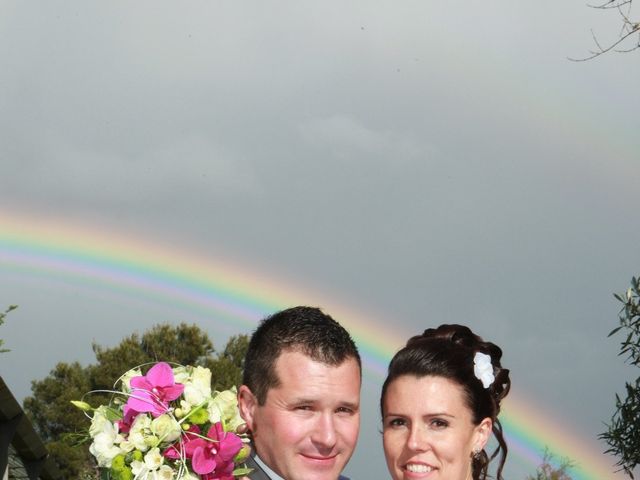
(346, 410)
(303, 407)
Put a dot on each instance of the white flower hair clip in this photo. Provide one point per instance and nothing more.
(483, 369)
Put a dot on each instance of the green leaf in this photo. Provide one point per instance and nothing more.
(242, 471)
(614, 331)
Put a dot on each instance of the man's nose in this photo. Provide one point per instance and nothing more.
(324, 434)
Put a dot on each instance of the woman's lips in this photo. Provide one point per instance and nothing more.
(418, 467)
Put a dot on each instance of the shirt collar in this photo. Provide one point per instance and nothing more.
(270, 473)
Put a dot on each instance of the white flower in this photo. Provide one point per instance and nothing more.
(104, 446)
(185, 406)
(166, 428)
(180, 374)
(164, 473)
(152, 468)
(98, 421)
(224, 408)
(197, 388)
(153, 459)
(137, 468)
(483, 369)
(125, 380)
(140, 431)
(126, 446)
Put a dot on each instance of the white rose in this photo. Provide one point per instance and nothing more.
(224, 408)
(180, 374)
(198, 388)
(140, 430)
(166, 428)
(125, 379)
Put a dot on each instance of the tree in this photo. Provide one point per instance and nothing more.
(53, 416)
(60, 424)
(546, 470)
(623, 433)
(2, 316)
(226, 369)
(630, 29)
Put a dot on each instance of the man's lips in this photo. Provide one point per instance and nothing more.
(319, 458)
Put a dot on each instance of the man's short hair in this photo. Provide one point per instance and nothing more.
(298, 329)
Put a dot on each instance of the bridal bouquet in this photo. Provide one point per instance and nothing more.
(168, 424)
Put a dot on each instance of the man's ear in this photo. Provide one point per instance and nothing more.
(247, 403)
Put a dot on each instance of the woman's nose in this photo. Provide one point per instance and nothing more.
(418, 439)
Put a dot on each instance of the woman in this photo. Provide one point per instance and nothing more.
(440, 404)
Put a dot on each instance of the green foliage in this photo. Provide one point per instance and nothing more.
(226, 370)
(60, 424)
(2, 316)
(547, 471)
(623, 433)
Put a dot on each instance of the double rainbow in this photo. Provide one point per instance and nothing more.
(132, 267)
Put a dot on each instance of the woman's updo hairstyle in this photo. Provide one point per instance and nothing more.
(448, 351)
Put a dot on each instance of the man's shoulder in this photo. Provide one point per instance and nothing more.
(258, 473)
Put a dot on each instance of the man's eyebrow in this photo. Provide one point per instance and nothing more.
(351, 405)
(312, 401)
(299, 400)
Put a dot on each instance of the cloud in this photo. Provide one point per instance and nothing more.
(346, 138)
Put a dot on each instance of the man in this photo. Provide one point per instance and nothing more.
(301, 396)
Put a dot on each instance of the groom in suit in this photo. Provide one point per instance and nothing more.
(301, 396)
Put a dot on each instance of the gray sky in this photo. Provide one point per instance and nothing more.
(420, 162)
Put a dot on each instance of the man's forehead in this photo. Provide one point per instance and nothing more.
(293, 354)
(302, 380)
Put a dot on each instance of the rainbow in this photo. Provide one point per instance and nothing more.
(131, 267)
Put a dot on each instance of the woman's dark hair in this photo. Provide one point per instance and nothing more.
(448, 351)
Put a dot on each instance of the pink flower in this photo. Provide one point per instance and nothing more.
(153, 391)
(214, 458)
(220, 474)
(124, 425)
(175, 451)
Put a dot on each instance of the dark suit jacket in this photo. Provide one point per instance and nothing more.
(259, 474)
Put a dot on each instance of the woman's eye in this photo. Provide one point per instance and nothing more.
(397, 422)
(439, 423)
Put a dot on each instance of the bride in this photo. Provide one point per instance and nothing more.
(440, 404)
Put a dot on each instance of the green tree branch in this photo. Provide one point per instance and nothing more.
(623, 433)
(60, 424)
